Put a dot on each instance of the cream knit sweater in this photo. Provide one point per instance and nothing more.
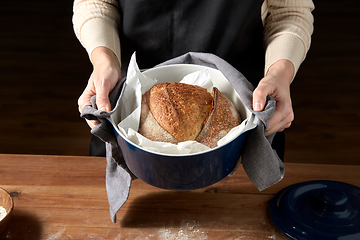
(288, 27)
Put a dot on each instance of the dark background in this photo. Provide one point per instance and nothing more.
(44, 69)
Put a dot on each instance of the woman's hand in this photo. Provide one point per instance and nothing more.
(276, 83)
(106, 74)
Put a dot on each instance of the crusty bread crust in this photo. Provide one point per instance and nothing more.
(150, 128)
(223, 117)
(176, 112)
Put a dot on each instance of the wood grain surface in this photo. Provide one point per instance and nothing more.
(64, 197)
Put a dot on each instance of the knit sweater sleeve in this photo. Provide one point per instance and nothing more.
(96, 24)
(288, 26)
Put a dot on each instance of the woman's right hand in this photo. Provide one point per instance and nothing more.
(106, 74)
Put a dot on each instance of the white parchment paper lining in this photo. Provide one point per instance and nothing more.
(135, 86)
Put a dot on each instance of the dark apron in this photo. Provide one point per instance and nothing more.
(159, 30)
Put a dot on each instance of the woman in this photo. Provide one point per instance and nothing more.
(265, 40)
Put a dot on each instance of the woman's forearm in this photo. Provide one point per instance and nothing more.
(96, 24)
(288, 26)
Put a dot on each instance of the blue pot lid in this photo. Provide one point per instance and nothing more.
(317, 210)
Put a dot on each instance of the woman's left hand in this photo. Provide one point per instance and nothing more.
(276, 83)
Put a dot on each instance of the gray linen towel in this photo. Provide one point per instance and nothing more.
(259, 160)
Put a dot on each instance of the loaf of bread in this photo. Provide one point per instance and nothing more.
(176, 112)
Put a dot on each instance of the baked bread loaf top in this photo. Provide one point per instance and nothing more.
(176, 112)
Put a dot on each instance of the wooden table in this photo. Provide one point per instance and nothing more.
(64, 197)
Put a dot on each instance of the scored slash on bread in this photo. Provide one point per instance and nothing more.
(176, 112)
(223, 117)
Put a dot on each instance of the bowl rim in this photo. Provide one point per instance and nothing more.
(179, 155)
(11, 201)
(253, 118)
